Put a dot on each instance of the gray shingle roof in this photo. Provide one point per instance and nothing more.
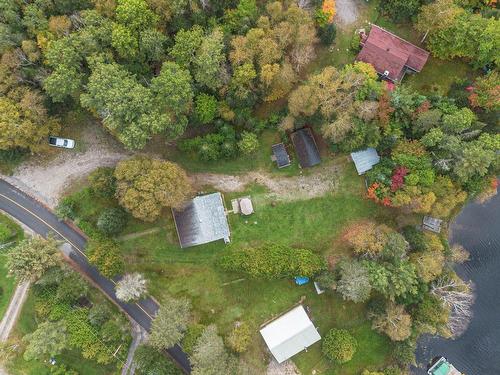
(306, 148)
(202, 220)
(281, 156)
(364, 160)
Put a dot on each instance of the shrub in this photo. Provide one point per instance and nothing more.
(415, 238)
(191, 337)
(327, 34)
(339, 345)
(239, 338)
(112, 221)
(106, 256)
(65, 210)
(103, 182)
(273, 261)
(248, 143)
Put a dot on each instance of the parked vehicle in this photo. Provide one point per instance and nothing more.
(61, 142)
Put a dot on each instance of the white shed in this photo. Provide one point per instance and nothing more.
(290, 334)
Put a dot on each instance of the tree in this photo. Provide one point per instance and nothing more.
(187, 43)
(131, 287)
(395, 322)
(429, 264)
(458, 297)
(146, 186)
(31, 258)
(209, 60)
(206, 108)
(49, 339)
(65, 209)
(124, 105)
(367, 237)
(150, 361)
(240, 337)
(112, 221)
(173, 96)
(24, 122)
(339, 346)
(354, 284)
(249, 143)
(431, 316)
(486, 92)
(170, 323)
(209, 355)
(401, 10)
(105, 255)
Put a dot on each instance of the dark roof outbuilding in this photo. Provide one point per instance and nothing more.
(306, 148)
(280, 156)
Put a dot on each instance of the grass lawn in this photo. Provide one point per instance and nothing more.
(7, 284)
(223, 298)
(27, 323)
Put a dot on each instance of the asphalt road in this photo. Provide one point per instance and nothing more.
(42, 221)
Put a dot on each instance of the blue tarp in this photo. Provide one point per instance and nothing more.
(301, 280)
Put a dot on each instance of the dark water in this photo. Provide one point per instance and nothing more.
(477, 351)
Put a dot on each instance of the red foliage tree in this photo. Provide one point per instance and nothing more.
(398, 178)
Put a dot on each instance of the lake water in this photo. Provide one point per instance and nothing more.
(477, 351)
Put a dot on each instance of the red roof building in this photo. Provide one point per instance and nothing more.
(390, 55)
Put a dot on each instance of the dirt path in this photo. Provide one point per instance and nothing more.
(285, 368)
(13, 311)
(139, 336)
(135, 235)
(347, 12)
(321, 181)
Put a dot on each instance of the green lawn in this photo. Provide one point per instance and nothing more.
(7, 284)
(223, 298)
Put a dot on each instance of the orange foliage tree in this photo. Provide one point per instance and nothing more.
(329, 9)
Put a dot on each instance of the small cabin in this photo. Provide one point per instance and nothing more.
(432, 224)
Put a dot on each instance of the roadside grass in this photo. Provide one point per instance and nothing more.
(7, 284)
(72, 358)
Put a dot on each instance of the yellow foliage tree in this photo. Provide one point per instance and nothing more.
(145, 186)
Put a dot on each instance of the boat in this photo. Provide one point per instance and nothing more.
(443, 367)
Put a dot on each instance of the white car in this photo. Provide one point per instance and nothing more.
(61, 142)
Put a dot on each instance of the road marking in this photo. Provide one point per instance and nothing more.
(63, 237)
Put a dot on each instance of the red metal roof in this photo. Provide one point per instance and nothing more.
(388, 52)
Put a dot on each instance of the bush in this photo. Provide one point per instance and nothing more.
(151, 362)
(103, 182)
(65, 210)
(248, 143)
(327, 34)
(106, 256)
(112, 221)
(191, 337)
(339, 345)
(415, 238)
(273, 261)
(239, 338)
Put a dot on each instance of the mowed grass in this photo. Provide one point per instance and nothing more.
(72, 358)
(224, 298)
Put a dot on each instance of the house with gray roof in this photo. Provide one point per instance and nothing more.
(202, 220)
(364, 160)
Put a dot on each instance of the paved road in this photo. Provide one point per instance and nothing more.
(42, 221)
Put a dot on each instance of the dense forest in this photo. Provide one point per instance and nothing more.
(194, 73)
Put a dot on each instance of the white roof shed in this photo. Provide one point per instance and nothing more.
(364, 160)
(290, 334)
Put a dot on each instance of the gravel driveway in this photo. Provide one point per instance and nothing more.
(347, 11)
